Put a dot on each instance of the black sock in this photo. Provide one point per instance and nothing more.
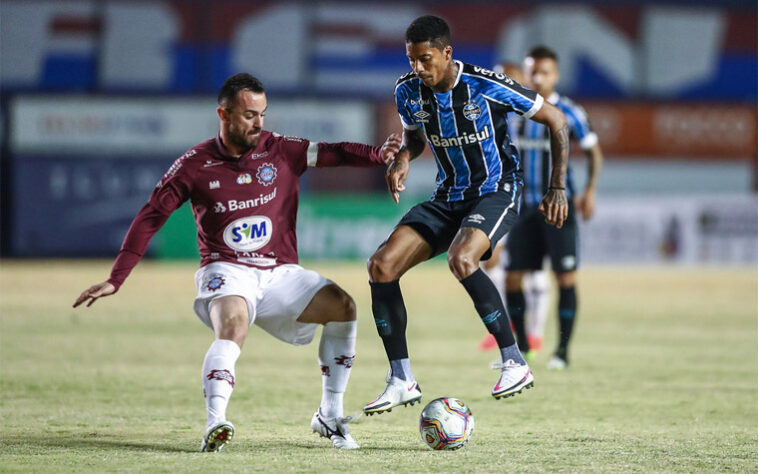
(489, 306)
(390, 318)
(566, 317)
(516, 307)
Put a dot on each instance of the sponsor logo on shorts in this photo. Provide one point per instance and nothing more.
(507, 187)
(325, 370)
(266, 174)
(347, 361)
(472, 112)
(476, 218)
(568, 262)
(248, 233)
(222, 374)
(244, 178)
(216, 282)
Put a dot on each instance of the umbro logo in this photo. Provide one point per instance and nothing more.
(422, 115)
(477, 218)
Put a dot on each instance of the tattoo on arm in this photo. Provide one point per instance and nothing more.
(414, 141)
(559, 148)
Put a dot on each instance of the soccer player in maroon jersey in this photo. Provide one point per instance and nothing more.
(243, 187)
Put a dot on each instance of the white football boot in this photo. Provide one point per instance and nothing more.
(398, 392)
(514, 377)
(557, 363)
(216, 436)
(335, 429)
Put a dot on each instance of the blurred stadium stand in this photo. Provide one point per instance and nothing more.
(99, 97)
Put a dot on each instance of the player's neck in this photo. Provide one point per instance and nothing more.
(233, 151)
(448, 82)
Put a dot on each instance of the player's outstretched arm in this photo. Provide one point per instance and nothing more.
(94, 292)
(554, 205)
(585, 203)
(412, 146)
(145, 224)
(355, 154)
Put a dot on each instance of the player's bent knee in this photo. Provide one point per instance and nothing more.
(513, 280)
(566, 279)
(381, 269)
(348, 312)
(462, 264)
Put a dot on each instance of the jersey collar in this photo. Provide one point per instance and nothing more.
(460, 72)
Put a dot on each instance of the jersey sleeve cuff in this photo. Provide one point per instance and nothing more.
(536, 107)
(588, 141)
(312, 154)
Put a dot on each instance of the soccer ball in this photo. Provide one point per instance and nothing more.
(446, 423)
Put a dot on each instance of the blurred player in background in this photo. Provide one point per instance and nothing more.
(243, 187)
(460, 110)
(536, 285)
(530, 239)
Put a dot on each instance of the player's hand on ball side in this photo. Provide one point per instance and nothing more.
(94, 292)
(554, 207)
(390, 148)
(396, 173)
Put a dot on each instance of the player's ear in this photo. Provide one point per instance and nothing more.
(448, 52)
(223, 114)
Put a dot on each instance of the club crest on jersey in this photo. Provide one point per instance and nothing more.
(422, 116)
(472, 112)
(248, 233)
(266, 174)
(216, 282)
(244, 178)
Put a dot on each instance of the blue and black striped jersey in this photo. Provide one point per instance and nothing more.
(467, 129)
(533, 142)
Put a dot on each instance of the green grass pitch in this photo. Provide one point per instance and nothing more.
(664, 378)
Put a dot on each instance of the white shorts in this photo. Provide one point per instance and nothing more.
(275, 298)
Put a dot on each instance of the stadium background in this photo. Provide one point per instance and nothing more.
(99, 97)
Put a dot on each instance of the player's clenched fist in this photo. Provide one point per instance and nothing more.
(554, 207)
(94, 292)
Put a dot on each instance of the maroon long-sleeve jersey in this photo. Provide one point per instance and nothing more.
(245, 208)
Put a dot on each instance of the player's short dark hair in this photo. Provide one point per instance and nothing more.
(238, 82)
(542, 52)
(429, 28)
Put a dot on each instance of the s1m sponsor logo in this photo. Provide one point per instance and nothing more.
(248, 233)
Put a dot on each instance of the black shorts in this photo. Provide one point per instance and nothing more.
(531, 238)
(438, 221)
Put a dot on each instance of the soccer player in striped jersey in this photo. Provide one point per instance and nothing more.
(530, 239)
(460, 110)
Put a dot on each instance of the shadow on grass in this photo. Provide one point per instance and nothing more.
(103, 441)
(107, 442)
